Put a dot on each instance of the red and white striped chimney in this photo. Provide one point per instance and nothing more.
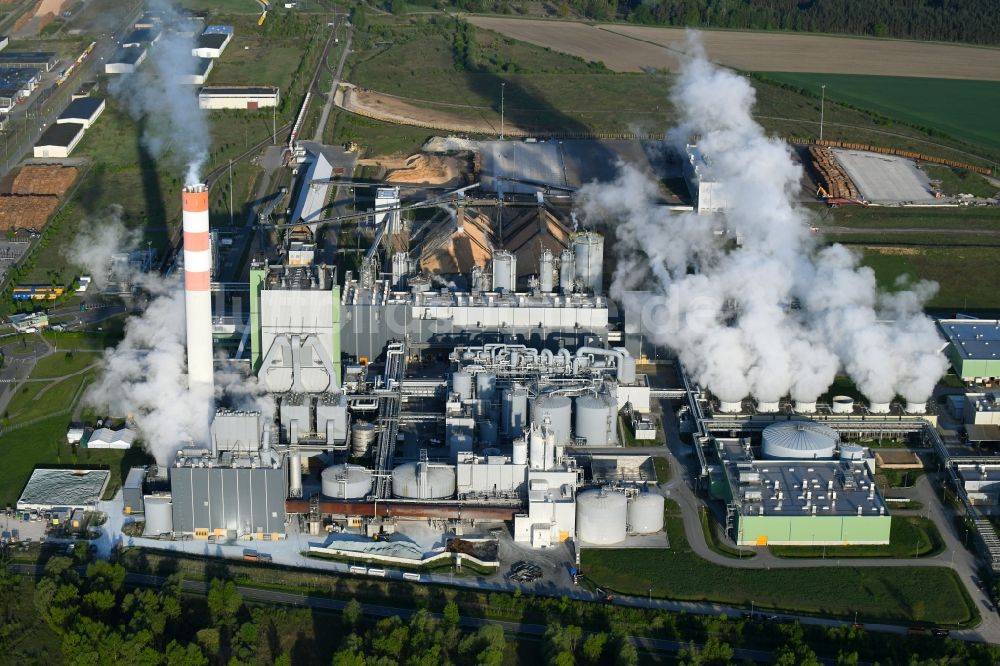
(197, 286)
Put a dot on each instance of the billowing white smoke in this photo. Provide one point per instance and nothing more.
(771, 314)
(155, 93)
(100, 238)
(145, 377)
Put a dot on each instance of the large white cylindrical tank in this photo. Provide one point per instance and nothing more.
(626, 368)
(504, 271)
(879, 408)
(536, 448)
(515, 410)
(546, 271)
(159, 515)
(916, 407)
(461, 383)
(559, 410)
(550, 448)
(419, 480)
(645, 513)
(601, 517)
(730, 406)
(295, 475)
(842, 404)
(805, 407)
(346, 481)
(519, 454)
(595, 420)
(799, 440)
(362, 438)
(767, 406)
(567, 271)
(588, 251)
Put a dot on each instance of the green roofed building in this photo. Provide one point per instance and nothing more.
(973, 348)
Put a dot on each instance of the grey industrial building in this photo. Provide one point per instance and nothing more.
(59, 140)
(42, 60)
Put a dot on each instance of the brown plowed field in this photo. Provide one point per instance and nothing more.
(627, 48)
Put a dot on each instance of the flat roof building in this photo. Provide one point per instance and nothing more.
(69, 488)
(197, 73)
(142, 37)
(59, 140)
(250, 98)
(211, 45)
(125, 60)
(86, 89)
(973, 348)
(84, 111)
(43, 60)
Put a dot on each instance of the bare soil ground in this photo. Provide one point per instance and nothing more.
(626, 48)
(396, 109)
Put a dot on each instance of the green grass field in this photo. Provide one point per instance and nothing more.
(965, 110)
(925, 594)
(911, 536)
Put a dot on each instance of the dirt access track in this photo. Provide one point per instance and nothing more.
(628, 48)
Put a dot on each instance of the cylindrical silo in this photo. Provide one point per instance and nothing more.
(558, 409)
(504, 271)
(588, 251)
(536, 442)
(842, 404)
(519, 454)
(295, 475)
(546, 271)
(362, 438)
(550, 448)
(601, 517)
(645, 513)
(159, 515)
(595, 420)
(799, 440)
(461, 383)
(420, 480)
(567, 271)
(487, 432)
(346, 481)
(515, 410)
(626, 368)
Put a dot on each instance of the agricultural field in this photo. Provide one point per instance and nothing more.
(965, 110)
(632, 48)
(924, 594)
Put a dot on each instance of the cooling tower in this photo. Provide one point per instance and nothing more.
(197, 288)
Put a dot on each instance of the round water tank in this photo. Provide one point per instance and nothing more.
(595, 420)
(588, 251)
(159, 515)
(362, 437)
(601, 517)
(916, 407)
(515, 410)
(461, 383)
(843, 404)
(346, 481)
(804, 407)
(558, 409)
(519, 454)
(767, 406)
(879, 408)
(645, 513)
(852, 452)
(730, 406)
(799, 440)
(417, 480)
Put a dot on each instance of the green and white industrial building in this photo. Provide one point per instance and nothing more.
(973, 348)
(805, 488)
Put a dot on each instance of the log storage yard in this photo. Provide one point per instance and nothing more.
(486, 332)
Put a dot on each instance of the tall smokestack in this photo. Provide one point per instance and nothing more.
(197, 288)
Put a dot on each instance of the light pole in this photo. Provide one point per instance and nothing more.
(230, 192)
(822, 103)
(503, 84)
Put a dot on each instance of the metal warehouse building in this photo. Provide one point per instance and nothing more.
(973, 348)
(125, 60)
(59, 140)
(85, 111)
(250, 98)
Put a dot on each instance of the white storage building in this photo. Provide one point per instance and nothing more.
(211, 45)
(105, 438)
(125, 60)
(198, 73)
(250, 98)
(59, 140)
(84, 111)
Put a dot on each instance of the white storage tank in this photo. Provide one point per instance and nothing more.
(420, 480)
(546, 271)
(799, 440)
(504, 271)
(362, 438)
(588, 251)
(558, 409)
(730, 406)
(626, 368)
(346, 481)
(519, 453)
(515, 410)
(536, 448)
(461, 383)
(159, 515)
(645, 513)
(852, 452)
(595, 420)
(842, 404)
(601, 517)
(767, 406)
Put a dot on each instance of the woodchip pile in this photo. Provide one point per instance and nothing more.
(43, 179)
(34, 195)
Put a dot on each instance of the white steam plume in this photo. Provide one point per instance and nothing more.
(100, 238)
(156, 94)
(771, 314)
(145, 377)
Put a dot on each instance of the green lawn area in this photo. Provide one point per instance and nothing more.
(965, 110)
(985, 218)
(710, 529)
(38, 399)
(662, 468)
(58, 364)
(910, 536)
(961, 181)
(927, 594)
